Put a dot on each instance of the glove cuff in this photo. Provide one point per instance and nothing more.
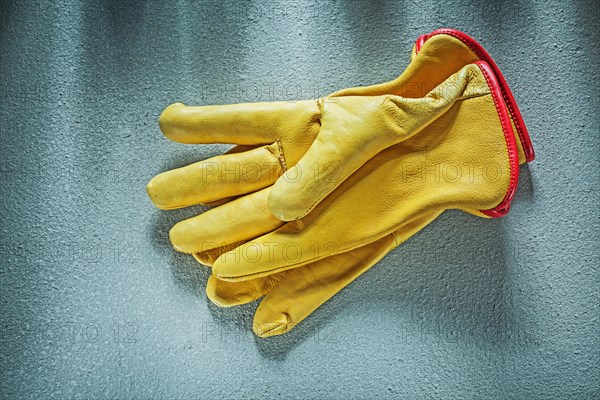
(506, 94)
(511, 142)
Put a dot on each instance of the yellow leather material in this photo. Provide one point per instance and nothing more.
(440, 57)
(220, 177)
(249, 215)
(409, 177)
(366, 123)
(460, 160)
(288, 127)
(278, 135)
(238, 220)
(293, 295)
(289, 311)
(310, 132)
(244, 211)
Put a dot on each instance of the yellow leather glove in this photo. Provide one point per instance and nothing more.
(305, 138)
(354, 263)
(466, 158)
(292, 295)
(433, 58)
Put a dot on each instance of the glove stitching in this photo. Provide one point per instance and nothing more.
(281, 155)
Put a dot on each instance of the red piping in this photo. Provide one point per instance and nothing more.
(511, 144)
(504, 88)
(420, 41)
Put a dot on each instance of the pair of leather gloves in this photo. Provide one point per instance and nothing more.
(316, 192)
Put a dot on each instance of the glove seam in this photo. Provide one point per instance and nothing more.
(281, 155)
(501, 209)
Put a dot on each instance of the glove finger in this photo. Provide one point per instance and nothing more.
(302, 290)
(209, 256)
(295, 283)
(229, 294)
(217, 178)
(245, 124)
(240, 149)
(219, 202)
(233, 150)
(242, 219)
(350, 135)
(334, 155)
(295, 294)
(330, 229)
(338, 225)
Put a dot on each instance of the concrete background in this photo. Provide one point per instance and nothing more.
(95, 304)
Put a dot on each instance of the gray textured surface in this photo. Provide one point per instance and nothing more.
(95, 304)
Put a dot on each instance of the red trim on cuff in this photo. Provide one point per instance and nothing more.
(420, 41)
(509, 99)
(511, 144)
